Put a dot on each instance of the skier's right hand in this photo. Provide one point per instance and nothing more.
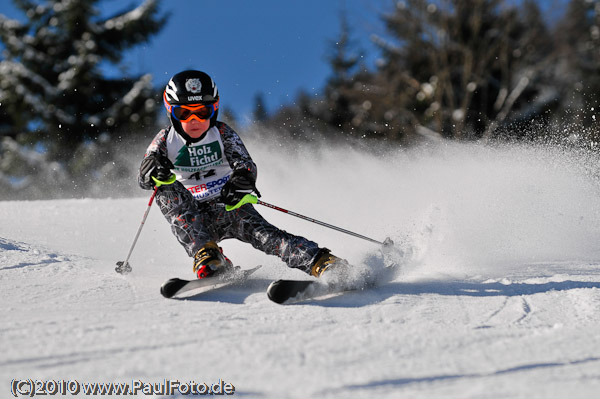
(156, 169)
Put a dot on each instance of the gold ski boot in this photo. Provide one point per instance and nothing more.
(326, 261)
(209, 261)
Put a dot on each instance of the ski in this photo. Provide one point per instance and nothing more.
(291, 291)
(175, 287)
(281, 291)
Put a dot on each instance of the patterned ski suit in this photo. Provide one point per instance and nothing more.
(191, 204)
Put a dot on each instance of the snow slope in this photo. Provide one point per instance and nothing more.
(499, 295)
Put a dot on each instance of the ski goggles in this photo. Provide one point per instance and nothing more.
(185, 113)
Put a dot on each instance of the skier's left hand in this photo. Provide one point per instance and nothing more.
(242, 182)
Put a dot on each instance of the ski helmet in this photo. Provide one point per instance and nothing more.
(190, 88)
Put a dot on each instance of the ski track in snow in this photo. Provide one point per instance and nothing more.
(499, 294)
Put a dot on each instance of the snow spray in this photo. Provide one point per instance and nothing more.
(458, 208)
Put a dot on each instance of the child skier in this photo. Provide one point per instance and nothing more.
(200, 165)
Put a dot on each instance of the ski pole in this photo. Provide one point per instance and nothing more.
(123, 267)
(252, 199)
(259, 202)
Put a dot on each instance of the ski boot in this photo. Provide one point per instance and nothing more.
(210, 261)
(325, 261)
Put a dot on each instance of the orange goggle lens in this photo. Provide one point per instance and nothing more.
(183, 113)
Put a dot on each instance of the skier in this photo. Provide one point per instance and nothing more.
(200, 165)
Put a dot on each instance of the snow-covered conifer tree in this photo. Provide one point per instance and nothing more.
(54, 88)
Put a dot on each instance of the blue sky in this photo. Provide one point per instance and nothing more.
(275, 47)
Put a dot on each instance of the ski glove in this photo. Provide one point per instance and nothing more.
(240, 183)
(156, 170)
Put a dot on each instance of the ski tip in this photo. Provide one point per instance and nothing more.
(170, 287)
(275, 294)
(281, 291)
